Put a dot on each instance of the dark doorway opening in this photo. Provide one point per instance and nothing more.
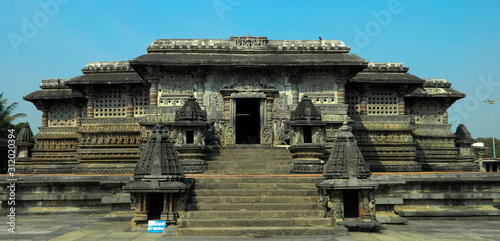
(189, 137)
(247, 121)
(307, 134)
(351, 204)
(155, 206)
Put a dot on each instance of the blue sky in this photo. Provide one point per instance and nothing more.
(455, 40)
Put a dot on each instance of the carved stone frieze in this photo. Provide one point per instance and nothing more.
(247, 80)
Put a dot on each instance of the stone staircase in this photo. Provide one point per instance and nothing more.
(250, 160)
(245, 204)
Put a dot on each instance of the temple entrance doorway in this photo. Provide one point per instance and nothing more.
(351, 204)
(155, 206)
(247, 121)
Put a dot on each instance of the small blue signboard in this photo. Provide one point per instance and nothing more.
(156, 226)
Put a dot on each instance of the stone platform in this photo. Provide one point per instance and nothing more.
(72, 227)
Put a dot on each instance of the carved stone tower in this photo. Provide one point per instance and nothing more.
(348, 194)
(189, 126)
(25, 142)
(159, 188)
(308, 140)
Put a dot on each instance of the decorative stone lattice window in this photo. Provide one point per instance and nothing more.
(110, 103)
(141, 99)
(381, 102)
(61, 114)
(352, 99)
(173, 90)
(322, 99)
(428, 112)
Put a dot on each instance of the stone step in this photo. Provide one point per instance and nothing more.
(334, 231)
(219, 185)
(254, 199)
(233, 167)
(255, 222)
(254, 214)
(256, 192)
(258, 206)
(259, 179)
(248, 162)
(250, 172)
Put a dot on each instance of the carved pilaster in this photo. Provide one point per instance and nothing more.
(129, 109)
(341, 92)
(363, 105)
(90, 106)
(270, 102)
(295, 93)
(226, 95)
(401, 105)
(294, 75)
(45, 117)
(78, 114)
(200, 75)
(153, 92)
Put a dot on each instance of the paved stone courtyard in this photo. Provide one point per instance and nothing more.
(88, 227)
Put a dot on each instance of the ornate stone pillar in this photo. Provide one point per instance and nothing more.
(45, 117)
(294, 75)
(295, 93)
(153, 92)
(341, 92)
(226, 95)
(445, 117)
(78, 118)
(200, 92)
(363, 104)
(200, 75)
(90, 106)
(129, 109)
(401, 105)
(270, 100)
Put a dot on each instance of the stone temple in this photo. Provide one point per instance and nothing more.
(254, 122)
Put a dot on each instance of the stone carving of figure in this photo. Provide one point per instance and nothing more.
(210, 135)
(133, 201)
(372, 209)
(179, 140)
(198, 140)
(366, 205)
(337, 208)
(266, 135)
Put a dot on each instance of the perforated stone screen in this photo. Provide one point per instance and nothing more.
(109, 103)
(382, 103)
(353, 101)
(61, 114)
(141, 99)
(428, 112)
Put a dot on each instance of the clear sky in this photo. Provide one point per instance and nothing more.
(455, 40)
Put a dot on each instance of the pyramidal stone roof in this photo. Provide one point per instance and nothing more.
(25, 136)
(346, 160)
(305, 111)
(191, 111)
(159, 159)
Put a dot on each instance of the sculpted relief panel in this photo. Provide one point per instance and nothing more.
(247, 80)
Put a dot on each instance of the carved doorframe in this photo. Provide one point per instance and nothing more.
(248, 95)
